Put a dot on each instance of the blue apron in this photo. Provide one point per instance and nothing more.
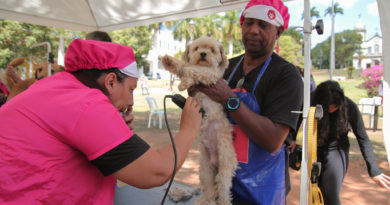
(260, 177)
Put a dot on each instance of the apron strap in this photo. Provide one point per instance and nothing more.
(258, 77)
(265, 66)
(235, 69)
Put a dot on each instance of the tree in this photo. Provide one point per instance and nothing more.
(231, 29)
(138, 38)
(320, 55)
(348, 42)
(16, 38)
(296, 35)
(186, 29)
(313, 13)
(290, 50)
(337, 9)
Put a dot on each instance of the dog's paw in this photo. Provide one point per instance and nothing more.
(182, 87)
(170, 63)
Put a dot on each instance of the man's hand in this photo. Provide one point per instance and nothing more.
(219, 92)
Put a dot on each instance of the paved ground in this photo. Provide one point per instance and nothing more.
(357, 188)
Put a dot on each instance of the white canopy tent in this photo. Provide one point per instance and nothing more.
(105, 15)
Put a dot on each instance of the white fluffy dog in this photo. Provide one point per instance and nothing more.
(204, 61)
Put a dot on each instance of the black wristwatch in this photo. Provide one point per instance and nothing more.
(232, 104)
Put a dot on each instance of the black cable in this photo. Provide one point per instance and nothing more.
(174, 149)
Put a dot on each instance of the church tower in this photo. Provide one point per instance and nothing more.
(360, 28)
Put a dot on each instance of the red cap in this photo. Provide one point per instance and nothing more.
(90, 54)
(271, 11)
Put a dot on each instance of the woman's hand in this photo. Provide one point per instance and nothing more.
(191, 117)
(292, 146)
(128, 117)
(382, 180)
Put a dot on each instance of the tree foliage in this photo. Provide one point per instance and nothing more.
(337, 9)
(296, 35)
(139, 38)
(224, 27)
(347, 43)
(290, 50)
(16, 38)
(313, 13)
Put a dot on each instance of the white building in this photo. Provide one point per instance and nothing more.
(163, 44)
(371, 49)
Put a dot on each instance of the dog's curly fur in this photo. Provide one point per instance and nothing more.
(16, 85)
(204, 61)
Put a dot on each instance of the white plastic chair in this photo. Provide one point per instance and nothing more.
(154, 111)
(367, 107)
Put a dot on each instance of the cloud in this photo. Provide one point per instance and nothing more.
(345, 4)
(372, 9)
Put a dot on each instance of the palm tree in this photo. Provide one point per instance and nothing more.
(231, 28)
(337, 9)
(210, 25)
(186, 28)
(313, 13)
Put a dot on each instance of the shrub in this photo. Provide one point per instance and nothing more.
(372, 79)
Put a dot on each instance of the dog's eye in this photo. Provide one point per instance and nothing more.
(213, 50)
(196, 48)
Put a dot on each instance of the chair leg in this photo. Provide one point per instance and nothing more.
(160, 121)
(150, 117)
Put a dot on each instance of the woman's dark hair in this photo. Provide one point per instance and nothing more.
(89, 77)
(328, 93)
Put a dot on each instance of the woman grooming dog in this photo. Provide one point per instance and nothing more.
(64, 140)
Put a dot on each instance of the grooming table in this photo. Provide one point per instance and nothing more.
(126, 195)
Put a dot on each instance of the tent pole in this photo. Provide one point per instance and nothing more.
(384, 7)
(307, 28)
(332, 47)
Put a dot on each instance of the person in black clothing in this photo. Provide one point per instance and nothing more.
(259, 91)
(333, 145)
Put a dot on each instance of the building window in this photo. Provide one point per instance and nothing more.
(369, 50)
(376, 48)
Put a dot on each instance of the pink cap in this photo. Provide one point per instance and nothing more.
(90, 54)
(271, 11)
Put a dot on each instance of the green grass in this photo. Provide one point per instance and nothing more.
(157, 89)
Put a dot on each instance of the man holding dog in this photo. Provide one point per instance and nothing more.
(261, 92)
(64, 139)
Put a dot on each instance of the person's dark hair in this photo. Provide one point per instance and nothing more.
(98, 36)
(328, 93)
(89, 77)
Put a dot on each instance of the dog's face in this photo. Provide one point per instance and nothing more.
(206, 51)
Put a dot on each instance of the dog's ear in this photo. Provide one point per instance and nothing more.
(224, 61)
(185, 56)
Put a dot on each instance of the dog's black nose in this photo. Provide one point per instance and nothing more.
(203, 54)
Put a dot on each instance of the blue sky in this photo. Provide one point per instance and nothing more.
(367, 9)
